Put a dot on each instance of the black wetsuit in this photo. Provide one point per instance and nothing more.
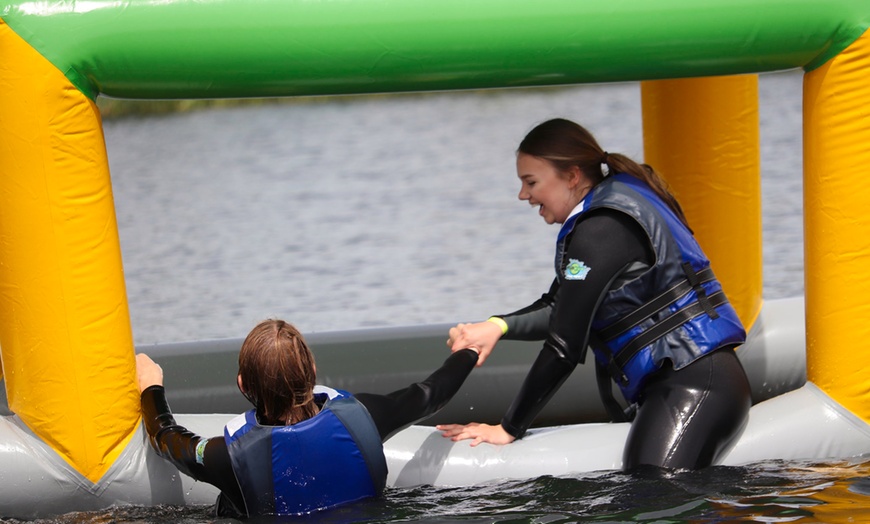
(391, 413)
(685, 418)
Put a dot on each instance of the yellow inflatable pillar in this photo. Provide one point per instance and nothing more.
(68, 354)
(702, 135)
(837, 226)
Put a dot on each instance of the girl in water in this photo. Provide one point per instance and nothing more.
(302, 447)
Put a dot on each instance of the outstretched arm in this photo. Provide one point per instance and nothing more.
(608, 242)
(400, 409)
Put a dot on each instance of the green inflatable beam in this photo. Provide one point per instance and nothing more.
(264, 48)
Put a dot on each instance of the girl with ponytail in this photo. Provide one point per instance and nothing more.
(633, 285)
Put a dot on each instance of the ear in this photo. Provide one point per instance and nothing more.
(575, 177)
(241, 386)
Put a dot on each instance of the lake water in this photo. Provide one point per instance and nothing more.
(387, 211)
(771, 492)
(376, 211)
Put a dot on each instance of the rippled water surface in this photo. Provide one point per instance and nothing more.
(389, 211)
(805, 492)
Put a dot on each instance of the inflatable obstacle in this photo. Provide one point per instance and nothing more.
(774, 354)
(65, 337)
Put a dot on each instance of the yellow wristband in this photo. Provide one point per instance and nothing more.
(500, 323)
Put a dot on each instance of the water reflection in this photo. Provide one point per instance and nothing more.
(795, 492)
(775, 491)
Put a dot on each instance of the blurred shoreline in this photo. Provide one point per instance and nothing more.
(117, 108)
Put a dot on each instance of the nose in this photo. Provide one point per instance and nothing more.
(523, 195)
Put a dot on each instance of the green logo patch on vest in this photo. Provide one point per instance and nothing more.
(576, 270)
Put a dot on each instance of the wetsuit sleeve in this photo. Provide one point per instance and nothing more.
(531, 322)
(607, 242)
(399, 409)
(178, 445)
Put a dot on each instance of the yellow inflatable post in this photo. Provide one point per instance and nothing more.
(702, 135)
(837, 226)
(64, 321)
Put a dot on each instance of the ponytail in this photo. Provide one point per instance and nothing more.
(618, 163)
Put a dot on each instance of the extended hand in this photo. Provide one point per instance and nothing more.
(479, 432)
(149, 372)
(481, 336)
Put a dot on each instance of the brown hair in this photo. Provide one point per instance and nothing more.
(277, 371)
(564, 144)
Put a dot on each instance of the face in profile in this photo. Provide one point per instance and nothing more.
(544, 186)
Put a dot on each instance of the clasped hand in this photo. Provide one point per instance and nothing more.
(480, 336)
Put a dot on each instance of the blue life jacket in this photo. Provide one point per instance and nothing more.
(675, 309)
(332, 458)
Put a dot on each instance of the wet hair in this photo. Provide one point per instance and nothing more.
(565, 144)
(278, 375)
